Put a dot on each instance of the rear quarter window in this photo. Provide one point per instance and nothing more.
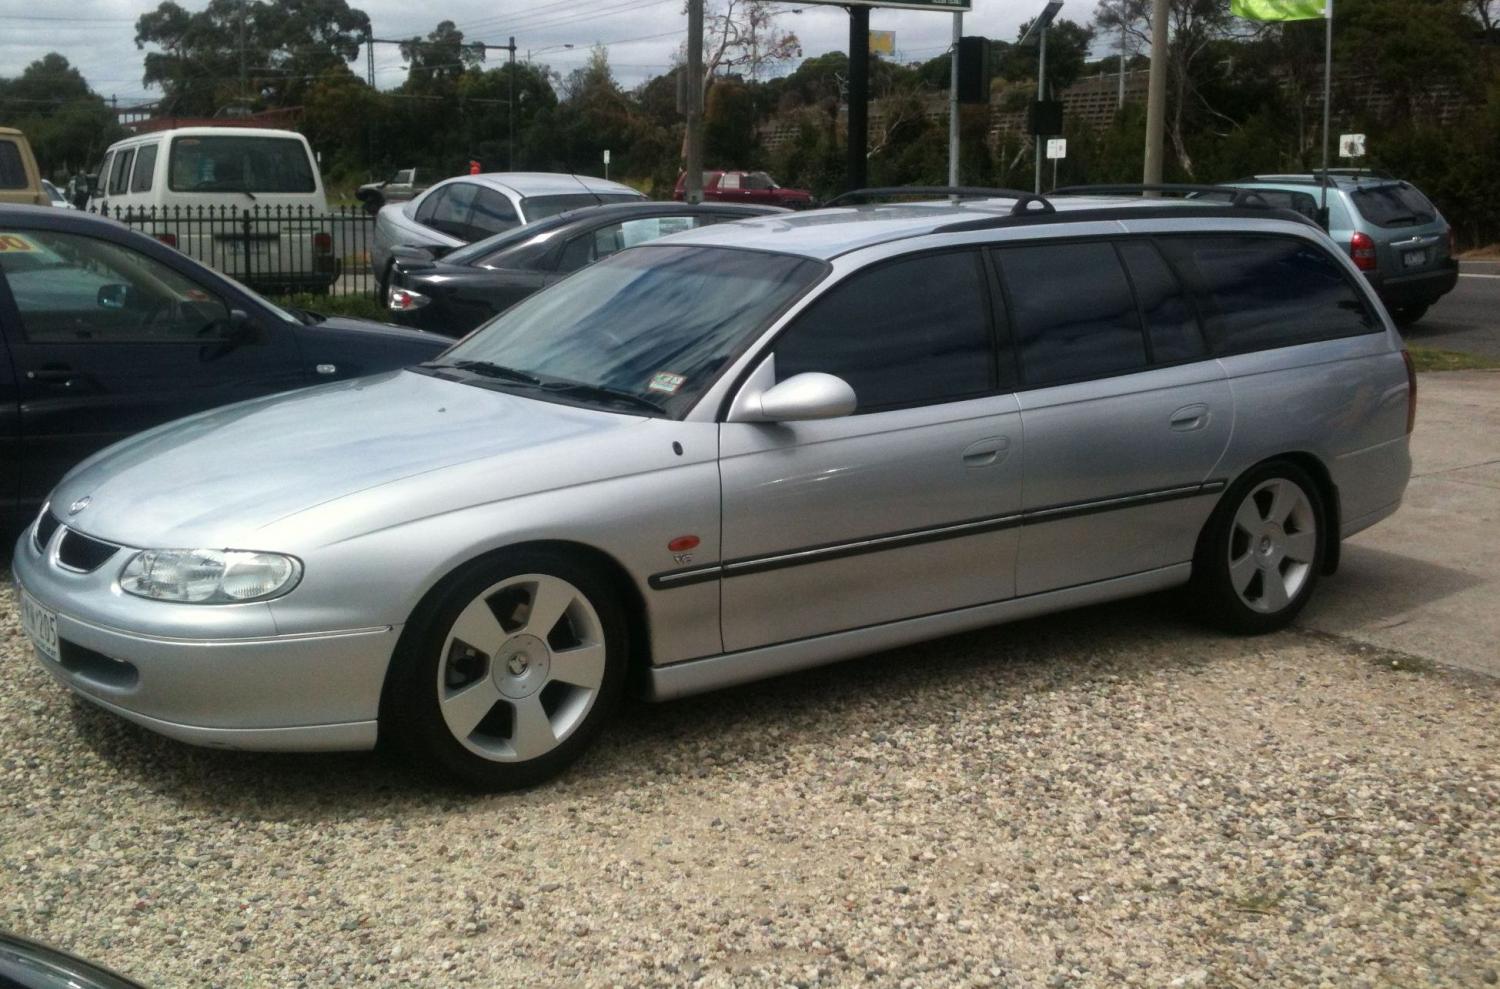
(1264, 292)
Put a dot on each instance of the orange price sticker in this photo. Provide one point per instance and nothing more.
(15, 243)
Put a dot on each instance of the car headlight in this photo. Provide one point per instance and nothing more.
(209, 576)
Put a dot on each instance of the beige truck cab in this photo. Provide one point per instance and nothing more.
(20, 182)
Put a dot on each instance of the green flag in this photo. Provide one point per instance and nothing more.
(1277, 10)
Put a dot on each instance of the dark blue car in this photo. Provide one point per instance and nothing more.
(105, 332)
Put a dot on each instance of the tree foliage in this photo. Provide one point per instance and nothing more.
(67, 124)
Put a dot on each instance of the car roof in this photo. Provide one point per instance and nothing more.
(206, 132)
(542, 183)
(827, 233)
(52, 218)
(1309, 181)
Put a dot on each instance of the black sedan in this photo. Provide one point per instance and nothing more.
(468, 286)
(105, 332)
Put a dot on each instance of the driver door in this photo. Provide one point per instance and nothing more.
(111, 341)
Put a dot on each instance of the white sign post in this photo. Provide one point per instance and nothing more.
(1057, 148)
(1351, 145)
(606, 163)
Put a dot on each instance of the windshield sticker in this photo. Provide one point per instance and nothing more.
(15, 243)
(666, 381)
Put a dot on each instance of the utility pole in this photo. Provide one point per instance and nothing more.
(693, 104)
(859, 94)
(244, 70)
(1041, 94)
(510, 111)
(958, 31)
(1156, 94)
(370, 59)
(1120, 101)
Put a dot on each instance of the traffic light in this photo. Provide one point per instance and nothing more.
(973, 70)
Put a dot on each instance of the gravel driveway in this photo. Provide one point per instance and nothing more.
(1110, 797)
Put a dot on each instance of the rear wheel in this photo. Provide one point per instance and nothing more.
(507, 676)
(1262, 551)
(1408, 315)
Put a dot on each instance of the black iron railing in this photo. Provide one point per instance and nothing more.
(277, 250)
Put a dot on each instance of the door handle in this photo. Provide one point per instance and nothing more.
(1189, 418)
(985, 452)
(52, 375)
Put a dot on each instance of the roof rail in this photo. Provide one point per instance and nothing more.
(1024, 200)
(1238, 198)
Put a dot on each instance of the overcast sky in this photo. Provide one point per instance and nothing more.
(642, 35)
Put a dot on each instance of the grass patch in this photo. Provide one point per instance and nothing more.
(358, 306)
(1431, 359)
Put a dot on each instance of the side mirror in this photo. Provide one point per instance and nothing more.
(811, 395)
(114, 296)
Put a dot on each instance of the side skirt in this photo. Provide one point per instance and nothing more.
(696, 676)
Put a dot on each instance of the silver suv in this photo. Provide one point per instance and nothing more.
(729, 454)
(1394, 234)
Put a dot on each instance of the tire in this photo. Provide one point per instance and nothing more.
(1262, 550)
(522, 700)
(1408, 315)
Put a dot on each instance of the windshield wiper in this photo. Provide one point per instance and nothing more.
(488, 370)
(600, 393)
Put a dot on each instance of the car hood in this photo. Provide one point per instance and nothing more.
(220, 478)
(390, 331)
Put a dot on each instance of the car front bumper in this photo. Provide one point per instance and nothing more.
(234, 686)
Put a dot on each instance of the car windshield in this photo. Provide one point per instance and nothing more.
(240, 164)
(1399, 205)
(653, 323)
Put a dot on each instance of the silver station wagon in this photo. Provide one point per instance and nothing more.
(733, 453)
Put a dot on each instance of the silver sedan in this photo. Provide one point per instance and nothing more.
(729, 454)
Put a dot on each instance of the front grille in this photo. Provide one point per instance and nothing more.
(45, 527)
(83, 553)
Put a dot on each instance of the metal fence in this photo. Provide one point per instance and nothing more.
(277, 250)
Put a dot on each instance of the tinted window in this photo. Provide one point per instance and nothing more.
(658, 323)
(12, 172)
(451, 214)
(430, 204)
(75, 289)
(492, 214)
(145, 167)
(1265, 292)
(1171, 324)
(236, 164)
(909, 332)
(120, 174)
(603, 242)
(1073, 316)
(1394, 206)
(538, 207)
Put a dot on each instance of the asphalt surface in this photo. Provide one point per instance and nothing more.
(1467, 319)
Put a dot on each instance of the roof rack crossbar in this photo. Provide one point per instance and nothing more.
(956, 191)
(1239, 198)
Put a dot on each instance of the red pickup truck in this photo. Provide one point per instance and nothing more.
(746, 187)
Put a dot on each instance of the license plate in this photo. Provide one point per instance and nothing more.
(40, 624)
(1414, 259)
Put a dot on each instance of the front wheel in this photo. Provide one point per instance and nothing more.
(1262, 551)
(507, 676)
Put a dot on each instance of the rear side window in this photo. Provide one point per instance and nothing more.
(451, 214)
(1072, 311)
(145, 168)
(12, 172)
(909, 332)
(119, 175)
(1171, 324)
(492, 214)
(1264, 292)
(1394, 206)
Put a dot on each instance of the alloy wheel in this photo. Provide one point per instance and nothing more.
(1273, 543)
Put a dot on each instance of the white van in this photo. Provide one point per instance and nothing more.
(246, 201)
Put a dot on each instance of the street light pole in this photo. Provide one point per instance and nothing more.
(1041, 94)
(1156, 94)
(510, 111)
(693, 105)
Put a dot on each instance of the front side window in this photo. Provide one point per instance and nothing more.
(1073, 314)
(758, 180)
(908, 332)
(1264, 292)
(240, 164)
(402, 177)
(12, 171)
(655, 325)
(75, 289)
(119, 176)
(145, 169)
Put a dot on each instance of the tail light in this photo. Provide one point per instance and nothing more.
(1362, 249)
(322, 243)
(405, 300)
(169, 239)
(1411, 392)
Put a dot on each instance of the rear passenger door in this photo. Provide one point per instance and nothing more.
(905, 508)
(1125, 411)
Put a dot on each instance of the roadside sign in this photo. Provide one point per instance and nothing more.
(1057, 147)
(1351, 145)
(882, 42)
(951, 6)
(606, 156)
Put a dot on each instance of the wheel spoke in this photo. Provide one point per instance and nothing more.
(531, 731)
(582, 666)
(1273, 593)
(1283, 500)
(478, 627)
(1248, 517)
(548, 602)
(1242, 571)
(464, 710)
(1301, 547)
